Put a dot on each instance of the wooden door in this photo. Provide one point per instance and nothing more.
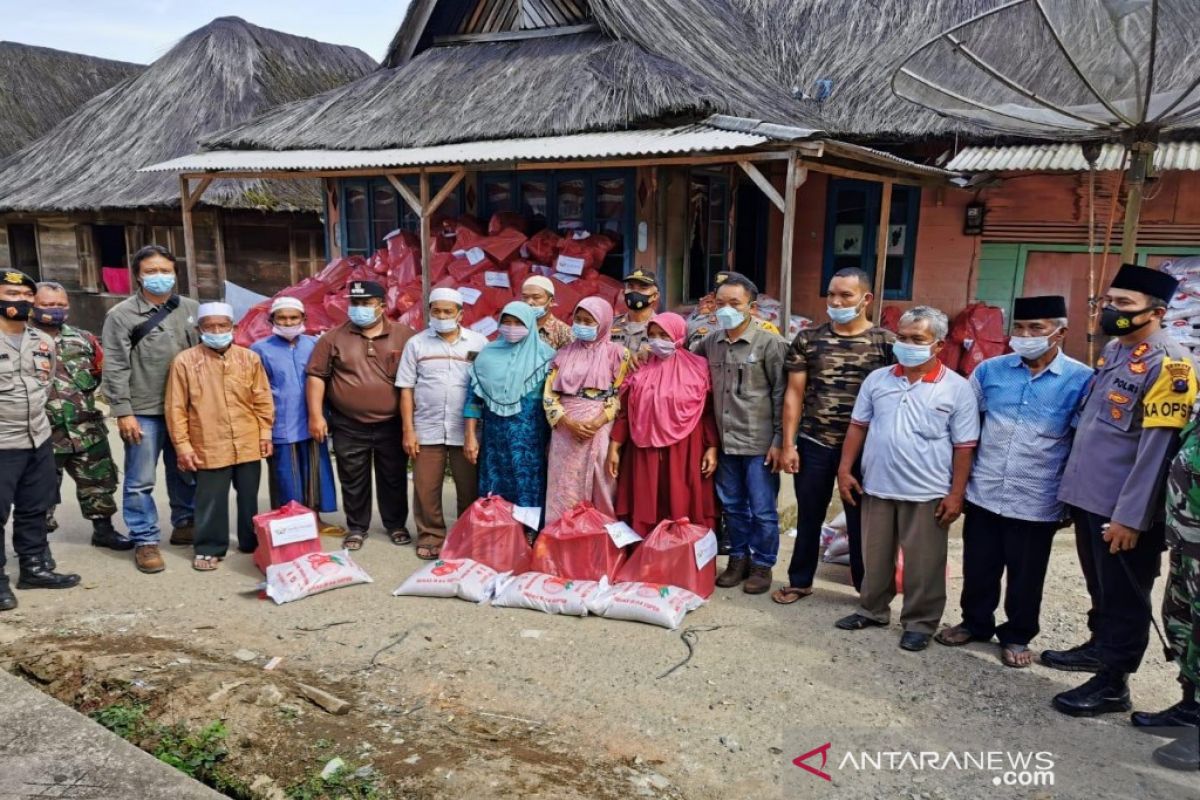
(85, 247)
(1065, 274)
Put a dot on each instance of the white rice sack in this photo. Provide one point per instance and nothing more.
(550, 593)
(464, 578)
(838, 549)
(311, 574)
(651, 603)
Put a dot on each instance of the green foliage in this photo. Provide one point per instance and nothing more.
(125, 720)
(345, 784)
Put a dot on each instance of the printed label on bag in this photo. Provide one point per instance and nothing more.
(487, 326)
(562, 277)
(497, 280)
(475, 255)
(290, 530)
(570, 265)
(469, 294)
(529, 516)
(706, 549)
(621, 534)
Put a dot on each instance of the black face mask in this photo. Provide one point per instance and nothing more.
(16, 310)
(1115, 322)
(637, 300)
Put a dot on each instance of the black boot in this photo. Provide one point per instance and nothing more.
(48, 559)
(105, 535)
(1183, 717)
(8, 600)
(1080, 658)
(1181, 754)
(1104, 693)
(35, 574)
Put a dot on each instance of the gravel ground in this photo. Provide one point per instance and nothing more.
(766, 683)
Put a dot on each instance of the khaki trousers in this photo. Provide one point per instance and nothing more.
(429, 473)
(911, 526)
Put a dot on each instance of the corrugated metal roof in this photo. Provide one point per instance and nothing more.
(1067, 157)
(686, 139)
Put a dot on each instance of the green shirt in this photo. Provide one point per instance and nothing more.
(135, 379)
(75, 422)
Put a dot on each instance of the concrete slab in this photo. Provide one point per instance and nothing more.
(50, 750)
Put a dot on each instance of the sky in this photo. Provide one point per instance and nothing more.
(142, 30)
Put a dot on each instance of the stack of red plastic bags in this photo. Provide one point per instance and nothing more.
(487, 266)
(583, 563)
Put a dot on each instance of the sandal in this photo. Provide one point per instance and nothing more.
(428, 552)
(790, 594)
(354, 541)
(956, 636)
(205, 563)
(400, 536)
(1010, 655)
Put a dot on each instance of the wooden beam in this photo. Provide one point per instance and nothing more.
(219, 234)
(293, 265)
(441, 196)
(881, 247)
(426, 243)
(194, 197)
(876, 177)
(794, 179)
(406, 194)
(189, 240)
(762, 183)
(333, 218)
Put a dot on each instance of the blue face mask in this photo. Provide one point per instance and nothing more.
(730, 318)
(158, 283)
(362, 316)
(585, 333)
(217, 341)
(538, 311)
(912, 355)
(843, 316)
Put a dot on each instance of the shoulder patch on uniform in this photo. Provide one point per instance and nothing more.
(1140, 350)
(1100, 361)
(1168, 402)
(1137, 367)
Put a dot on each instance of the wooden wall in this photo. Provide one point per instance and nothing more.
(5, 256)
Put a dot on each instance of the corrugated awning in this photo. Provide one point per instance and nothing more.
(1067, 157)
(663, 141)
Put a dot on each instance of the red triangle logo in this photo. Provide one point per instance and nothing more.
(823, 750)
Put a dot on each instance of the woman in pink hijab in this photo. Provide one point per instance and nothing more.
(664, 444)
(581, 403)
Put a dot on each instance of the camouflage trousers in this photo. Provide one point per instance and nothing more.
(1181, 611)
(95, 476)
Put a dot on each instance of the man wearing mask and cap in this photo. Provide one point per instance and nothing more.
(1127, 432)
(27, 365)
(352, 372)
(538, 294)
(641, 298)
(220, 416)
(433, 378)
(142, 335)
(77, 429)
(1028, 399)
(299, 468)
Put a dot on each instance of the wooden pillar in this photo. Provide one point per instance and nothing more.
(189, 239)
(794, 179)
(219, 239)
(881, 247)
(426, 239)
(333, 218)
(1139, 168)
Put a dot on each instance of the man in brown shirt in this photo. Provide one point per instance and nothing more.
(220, 414)
(354, 367)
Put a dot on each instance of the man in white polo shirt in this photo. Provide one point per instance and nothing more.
(916, 425)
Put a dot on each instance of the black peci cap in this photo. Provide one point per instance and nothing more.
(14, 277)
(1146, 280)
(361, 290)
(1047, 306)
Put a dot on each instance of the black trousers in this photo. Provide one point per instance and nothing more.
(358, 446)
(28, 488)
(212, 507)
(992, 546)
(1120, 586)
(815, 483)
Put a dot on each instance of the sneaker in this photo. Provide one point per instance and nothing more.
(148, 559)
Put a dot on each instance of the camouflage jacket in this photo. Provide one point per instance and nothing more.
(1183, 488)
(75, 422)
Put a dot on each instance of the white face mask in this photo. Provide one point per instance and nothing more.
(289, 332)
(1030, 347)
(444, 325)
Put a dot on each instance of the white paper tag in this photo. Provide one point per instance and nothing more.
(564, 278)
(569, 265)
(622, 535)
(529, 516)
(469, 294)
(475, 255)
(290, 530)
(487, 326)
(459, 253)
(706, 550)
(497, 280)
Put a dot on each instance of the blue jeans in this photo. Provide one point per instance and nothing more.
(748, 489)
(141, 469)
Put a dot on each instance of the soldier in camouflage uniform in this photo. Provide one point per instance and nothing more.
(78, 432)
(1181, 607)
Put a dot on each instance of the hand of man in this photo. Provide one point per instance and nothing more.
(708, 463)
(411, 445)
(471, 449)
(948, 509)
(1120, 537)
(774, 459)
(265, 448)
(318, 428)
(790, 459)
(849, 488)
(129, 429)
(188, 462)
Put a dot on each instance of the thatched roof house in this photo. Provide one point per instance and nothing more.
(39, 87)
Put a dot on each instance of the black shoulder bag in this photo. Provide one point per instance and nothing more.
(156, 319)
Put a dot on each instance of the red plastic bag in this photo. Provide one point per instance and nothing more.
(978, 333)
(285, 534)
(578, 546)
(404, 255)
(587, 254)
(543, 246)
(676, 553)
(488, 534)
(518, 270)
(507, 219)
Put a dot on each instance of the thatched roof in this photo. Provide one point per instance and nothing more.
(217, 76)
(39, 87)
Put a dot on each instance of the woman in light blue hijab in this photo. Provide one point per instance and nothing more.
(506, 400)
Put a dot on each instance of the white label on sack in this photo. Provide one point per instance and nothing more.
(497, 280)
(562, 277)
(487, 326)
(459, 253)
(706, 549)
(290, 530)
(469, 295)
(622, 535)
(475, 255)
(529, 516)
(569, 265)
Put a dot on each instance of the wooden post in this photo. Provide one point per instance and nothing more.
(1139, 168)
(795, 177)
(333, 218)
(881, 247)
(426, 238)
(189, 239)
(219, 234)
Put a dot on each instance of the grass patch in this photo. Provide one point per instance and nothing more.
(347, 783)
